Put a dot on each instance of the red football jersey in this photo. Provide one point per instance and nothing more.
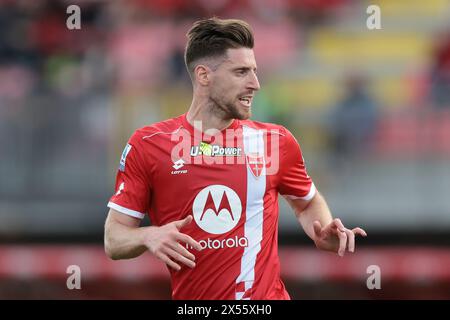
(229, 182)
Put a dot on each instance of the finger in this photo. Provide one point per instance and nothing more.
(342, 242)
(350, 240)
(359, 231)
(187, 239)
(164, 258)
(184, 222)
(338, 223)
(317, 228)
(180, 258)
(183, 251)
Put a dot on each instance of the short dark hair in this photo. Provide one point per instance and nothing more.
(212, 37)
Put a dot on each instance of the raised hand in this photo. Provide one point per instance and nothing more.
(335, 237)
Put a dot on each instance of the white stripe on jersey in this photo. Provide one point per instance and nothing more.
(309, 196)
(161, 132)
(253, 227)
(126, 211)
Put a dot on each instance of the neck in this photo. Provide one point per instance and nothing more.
(210, 116)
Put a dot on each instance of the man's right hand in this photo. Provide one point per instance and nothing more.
(164, 243)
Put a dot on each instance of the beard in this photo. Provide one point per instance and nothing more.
(228, 110)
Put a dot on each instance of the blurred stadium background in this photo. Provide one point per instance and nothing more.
(371, 110)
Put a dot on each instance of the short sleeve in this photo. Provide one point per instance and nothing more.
(133, 191)
(294, 183)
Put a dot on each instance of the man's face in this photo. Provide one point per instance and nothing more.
(233, 84)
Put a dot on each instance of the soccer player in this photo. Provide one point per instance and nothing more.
(209, 181)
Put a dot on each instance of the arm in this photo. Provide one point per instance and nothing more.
(314, 214)
(123, 236)
(309, 211)
(124, 239)
(309, 205)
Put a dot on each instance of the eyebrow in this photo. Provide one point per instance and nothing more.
(244, 68)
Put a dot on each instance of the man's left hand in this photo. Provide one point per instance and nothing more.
(335, 237)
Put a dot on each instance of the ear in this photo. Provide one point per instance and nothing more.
(202, 74)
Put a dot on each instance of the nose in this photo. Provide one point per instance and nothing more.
(253, 81)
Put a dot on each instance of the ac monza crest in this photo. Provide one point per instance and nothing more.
(255, 163)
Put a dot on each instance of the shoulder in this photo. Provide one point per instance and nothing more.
(147, 133)
(270, 128)
(274, 131)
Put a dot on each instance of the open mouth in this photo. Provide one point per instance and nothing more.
(246, 100)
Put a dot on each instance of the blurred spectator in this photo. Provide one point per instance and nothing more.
(353, 118)
(315, 12)
(440, 73)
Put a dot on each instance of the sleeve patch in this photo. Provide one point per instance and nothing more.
(123, 157)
